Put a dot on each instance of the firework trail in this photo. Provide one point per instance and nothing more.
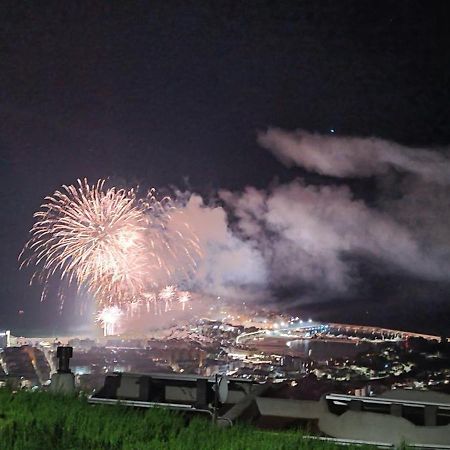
(120, 247)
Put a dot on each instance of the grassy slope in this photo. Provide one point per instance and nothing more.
(41, 421)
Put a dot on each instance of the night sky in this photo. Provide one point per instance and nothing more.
(175, 93)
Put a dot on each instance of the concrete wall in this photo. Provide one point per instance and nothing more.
(358, 425)
(296, 409)
(382, 428)
(418, 396)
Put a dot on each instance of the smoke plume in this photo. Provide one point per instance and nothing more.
(354, 157)
(311, 240)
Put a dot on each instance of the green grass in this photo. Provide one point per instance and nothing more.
(41, 421)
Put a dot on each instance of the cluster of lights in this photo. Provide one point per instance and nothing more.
(283, 324)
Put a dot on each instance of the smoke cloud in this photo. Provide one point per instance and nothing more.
(310, 240)
(230, 266)
(354, 157)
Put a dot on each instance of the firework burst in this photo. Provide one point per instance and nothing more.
(118, 246)
(109, 317)
(184, 298)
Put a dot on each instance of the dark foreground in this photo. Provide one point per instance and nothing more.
(39, 420)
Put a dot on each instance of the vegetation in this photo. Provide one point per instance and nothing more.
(39, 420)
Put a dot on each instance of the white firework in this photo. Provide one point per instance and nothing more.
(183, 298)
(110, 317)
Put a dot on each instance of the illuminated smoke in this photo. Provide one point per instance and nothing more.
(344, 157)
